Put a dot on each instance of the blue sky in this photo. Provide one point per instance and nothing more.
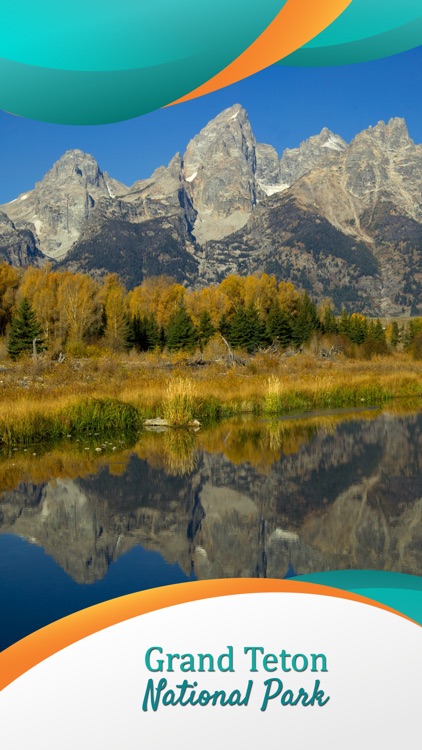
(285, 106)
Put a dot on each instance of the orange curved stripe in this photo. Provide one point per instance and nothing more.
(297, 23)
(27, 653)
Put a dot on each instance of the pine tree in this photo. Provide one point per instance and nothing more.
(329, 322)
(358, 329)
(163, 338)
(394, 335)
(376, 342)
(129, 336)
(344, 323)
(376, 332)
(247, 331)
(147, 333)
(205, 330)
(412, 329)
(306, 321)
(416, 348)
(224, 326)
(24, 329)
(152, 333)
(402, 335)
(139, 335)
(407, 335)
(278, 326)
(181, 332)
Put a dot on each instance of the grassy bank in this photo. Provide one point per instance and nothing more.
(45, 400)
(244, 439)
(24, 422)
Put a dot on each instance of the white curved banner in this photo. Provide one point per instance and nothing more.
(281, 669)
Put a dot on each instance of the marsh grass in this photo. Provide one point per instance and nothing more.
(180, 402)
(114, 395)
(336, 391)
(102, 416)
(26, 423)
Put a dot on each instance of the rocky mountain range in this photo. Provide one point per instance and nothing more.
(340, 220)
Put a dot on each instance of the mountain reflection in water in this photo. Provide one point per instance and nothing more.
(246, 498)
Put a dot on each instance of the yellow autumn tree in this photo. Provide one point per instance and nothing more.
(233, 287)
(289, 297)
(260, 291)
(9, 282)
(158, 296)
(79, 311)
(210, 299)
(113, 297)
(39, 287)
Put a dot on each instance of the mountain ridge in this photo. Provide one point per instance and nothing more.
(340, 219)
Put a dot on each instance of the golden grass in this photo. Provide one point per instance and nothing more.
(40, 401)
(180, 397)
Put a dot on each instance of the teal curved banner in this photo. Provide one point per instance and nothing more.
(98, 62)
(368, 29)
(396, 590)
(103, 61)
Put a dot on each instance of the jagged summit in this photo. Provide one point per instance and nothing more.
(394, 124)
(391, 134)
(60, 204)
(230, 114)
(322, 149)
(77, 167)
(220, 165)
(331, 140)
(75, 154)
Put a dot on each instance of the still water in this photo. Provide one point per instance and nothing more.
(81, 523)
